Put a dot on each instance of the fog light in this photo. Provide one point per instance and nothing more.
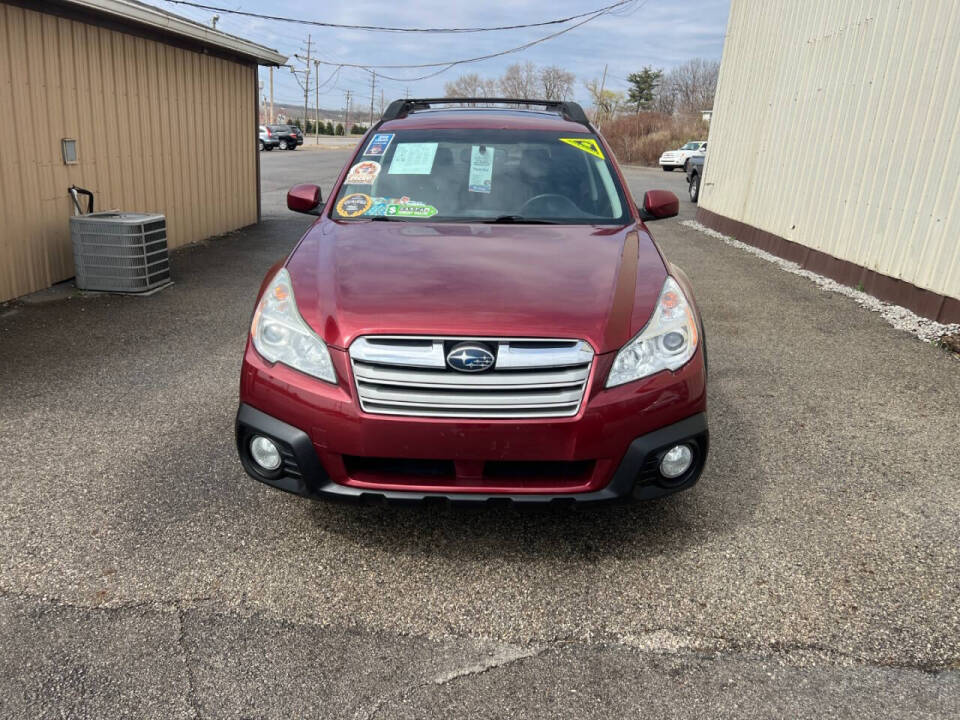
(676, 461)
(265, 453)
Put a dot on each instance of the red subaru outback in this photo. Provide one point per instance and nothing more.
(478, 313)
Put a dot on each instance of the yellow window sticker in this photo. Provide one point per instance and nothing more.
(354, 205)
(588, 145)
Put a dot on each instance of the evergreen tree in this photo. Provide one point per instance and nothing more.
(643, 87)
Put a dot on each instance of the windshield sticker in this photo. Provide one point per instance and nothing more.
(354, 205)
(588, 145)
(413, 159)
(363, 173)
(379, 144)
(380, 206)
(481, 169)
(413, 210)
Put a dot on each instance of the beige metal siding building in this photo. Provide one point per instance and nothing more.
(835, 142)
(163, 111)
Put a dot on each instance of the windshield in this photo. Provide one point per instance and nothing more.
(483, 176)
(691, 146)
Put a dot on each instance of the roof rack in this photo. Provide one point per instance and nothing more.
(400, 108)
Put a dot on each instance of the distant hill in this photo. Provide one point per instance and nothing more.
(290, 112)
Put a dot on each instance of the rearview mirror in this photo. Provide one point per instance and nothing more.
(659, 204)
(305, 199)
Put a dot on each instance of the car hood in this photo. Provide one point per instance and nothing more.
(594, 283)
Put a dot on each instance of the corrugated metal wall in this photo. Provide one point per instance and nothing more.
(158, 129)
(837, 126)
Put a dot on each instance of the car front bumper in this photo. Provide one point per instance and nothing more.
(635, 477)
(610, 449)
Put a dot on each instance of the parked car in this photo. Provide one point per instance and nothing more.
(297, 134)
(479, 312)
(266, 139)
(288, 136)
(694, 169)
(674, 159)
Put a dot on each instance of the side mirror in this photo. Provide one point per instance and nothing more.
(659, 204)
(304, 199)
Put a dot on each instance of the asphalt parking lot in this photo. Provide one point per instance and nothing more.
(813, 572)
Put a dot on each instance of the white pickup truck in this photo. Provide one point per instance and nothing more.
(676, 159)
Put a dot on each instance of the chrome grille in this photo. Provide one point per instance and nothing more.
(403, 375)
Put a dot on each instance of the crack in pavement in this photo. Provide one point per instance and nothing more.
(506, 656)
(192, 699)
(659, 640)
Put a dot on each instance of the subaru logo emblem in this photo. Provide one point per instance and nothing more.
(470, 357)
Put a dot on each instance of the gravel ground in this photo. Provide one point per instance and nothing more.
(813, 572)
(899, 317)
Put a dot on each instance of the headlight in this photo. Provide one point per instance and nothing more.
(666, 343)
(280, 335)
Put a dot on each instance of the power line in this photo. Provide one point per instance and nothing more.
(333, 76)
(381, 28)
(453, 63)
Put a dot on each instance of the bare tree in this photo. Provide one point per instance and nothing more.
(606, 103)
(471, 85)
(689, 88)
(665, 99)
(520, 81)
(557, 83)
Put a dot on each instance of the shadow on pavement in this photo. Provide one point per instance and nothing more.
(723, 499)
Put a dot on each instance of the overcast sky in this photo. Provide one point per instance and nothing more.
(661, 33)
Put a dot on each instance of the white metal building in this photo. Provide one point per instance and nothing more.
(835, 143)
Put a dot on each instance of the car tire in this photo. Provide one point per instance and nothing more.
(268, 148)
(260, 145)
(667, 168)
(293, 146)
(686, 166)
(694, 188)
(283, 144)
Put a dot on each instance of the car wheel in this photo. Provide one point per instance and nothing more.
(268, 148)
(694, 188)
(686, 166)
(283, 144)
(260, 145)
(293, 146)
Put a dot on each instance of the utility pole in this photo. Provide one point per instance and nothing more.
(373, 91)
(381, 102)
(306, 87)
(271, 95)
(603, 81)
(346, 118)
(316, 109)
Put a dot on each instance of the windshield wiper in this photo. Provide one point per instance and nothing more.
(518, 219)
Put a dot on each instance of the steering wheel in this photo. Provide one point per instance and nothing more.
(555, 205)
